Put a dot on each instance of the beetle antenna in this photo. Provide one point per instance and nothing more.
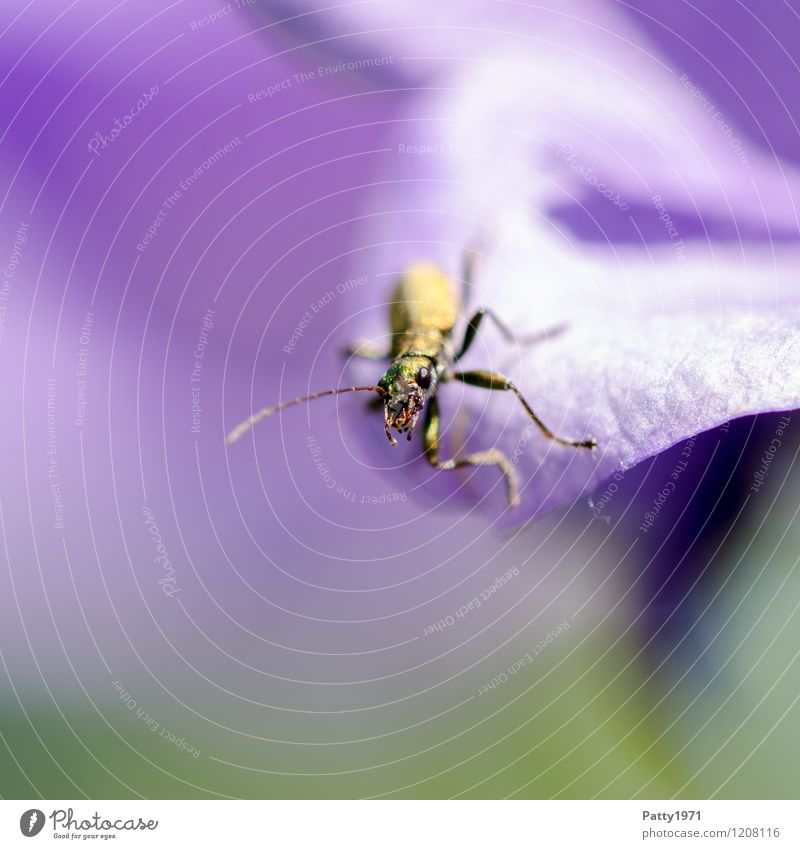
(242, 428)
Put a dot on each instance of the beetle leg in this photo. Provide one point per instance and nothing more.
(492, 380)
(491, 457)
(467, 274)
(367, 350)
(508, 334)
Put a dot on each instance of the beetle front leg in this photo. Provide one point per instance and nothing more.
(490, 457)
(492, 380)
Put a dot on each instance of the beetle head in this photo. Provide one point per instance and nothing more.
(407, 384)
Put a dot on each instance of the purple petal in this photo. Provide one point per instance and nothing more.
(665, 340)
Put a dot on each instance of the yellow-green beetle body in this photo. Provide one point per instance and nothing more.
(423, 313)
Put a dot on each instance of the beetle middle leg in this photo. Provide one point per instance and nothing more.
(492, 380)
(490, 457)
(467, 275)
(474, 324)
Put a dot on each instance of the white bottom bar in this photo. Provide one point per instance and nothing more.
(402, 824)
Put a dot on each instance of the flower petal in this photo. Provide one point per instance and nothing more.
(665, 340)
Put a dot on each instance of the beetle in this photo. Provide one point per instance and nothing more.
(423, 315)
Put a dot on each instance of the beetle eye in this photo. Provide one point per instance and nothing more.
(424, 378)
